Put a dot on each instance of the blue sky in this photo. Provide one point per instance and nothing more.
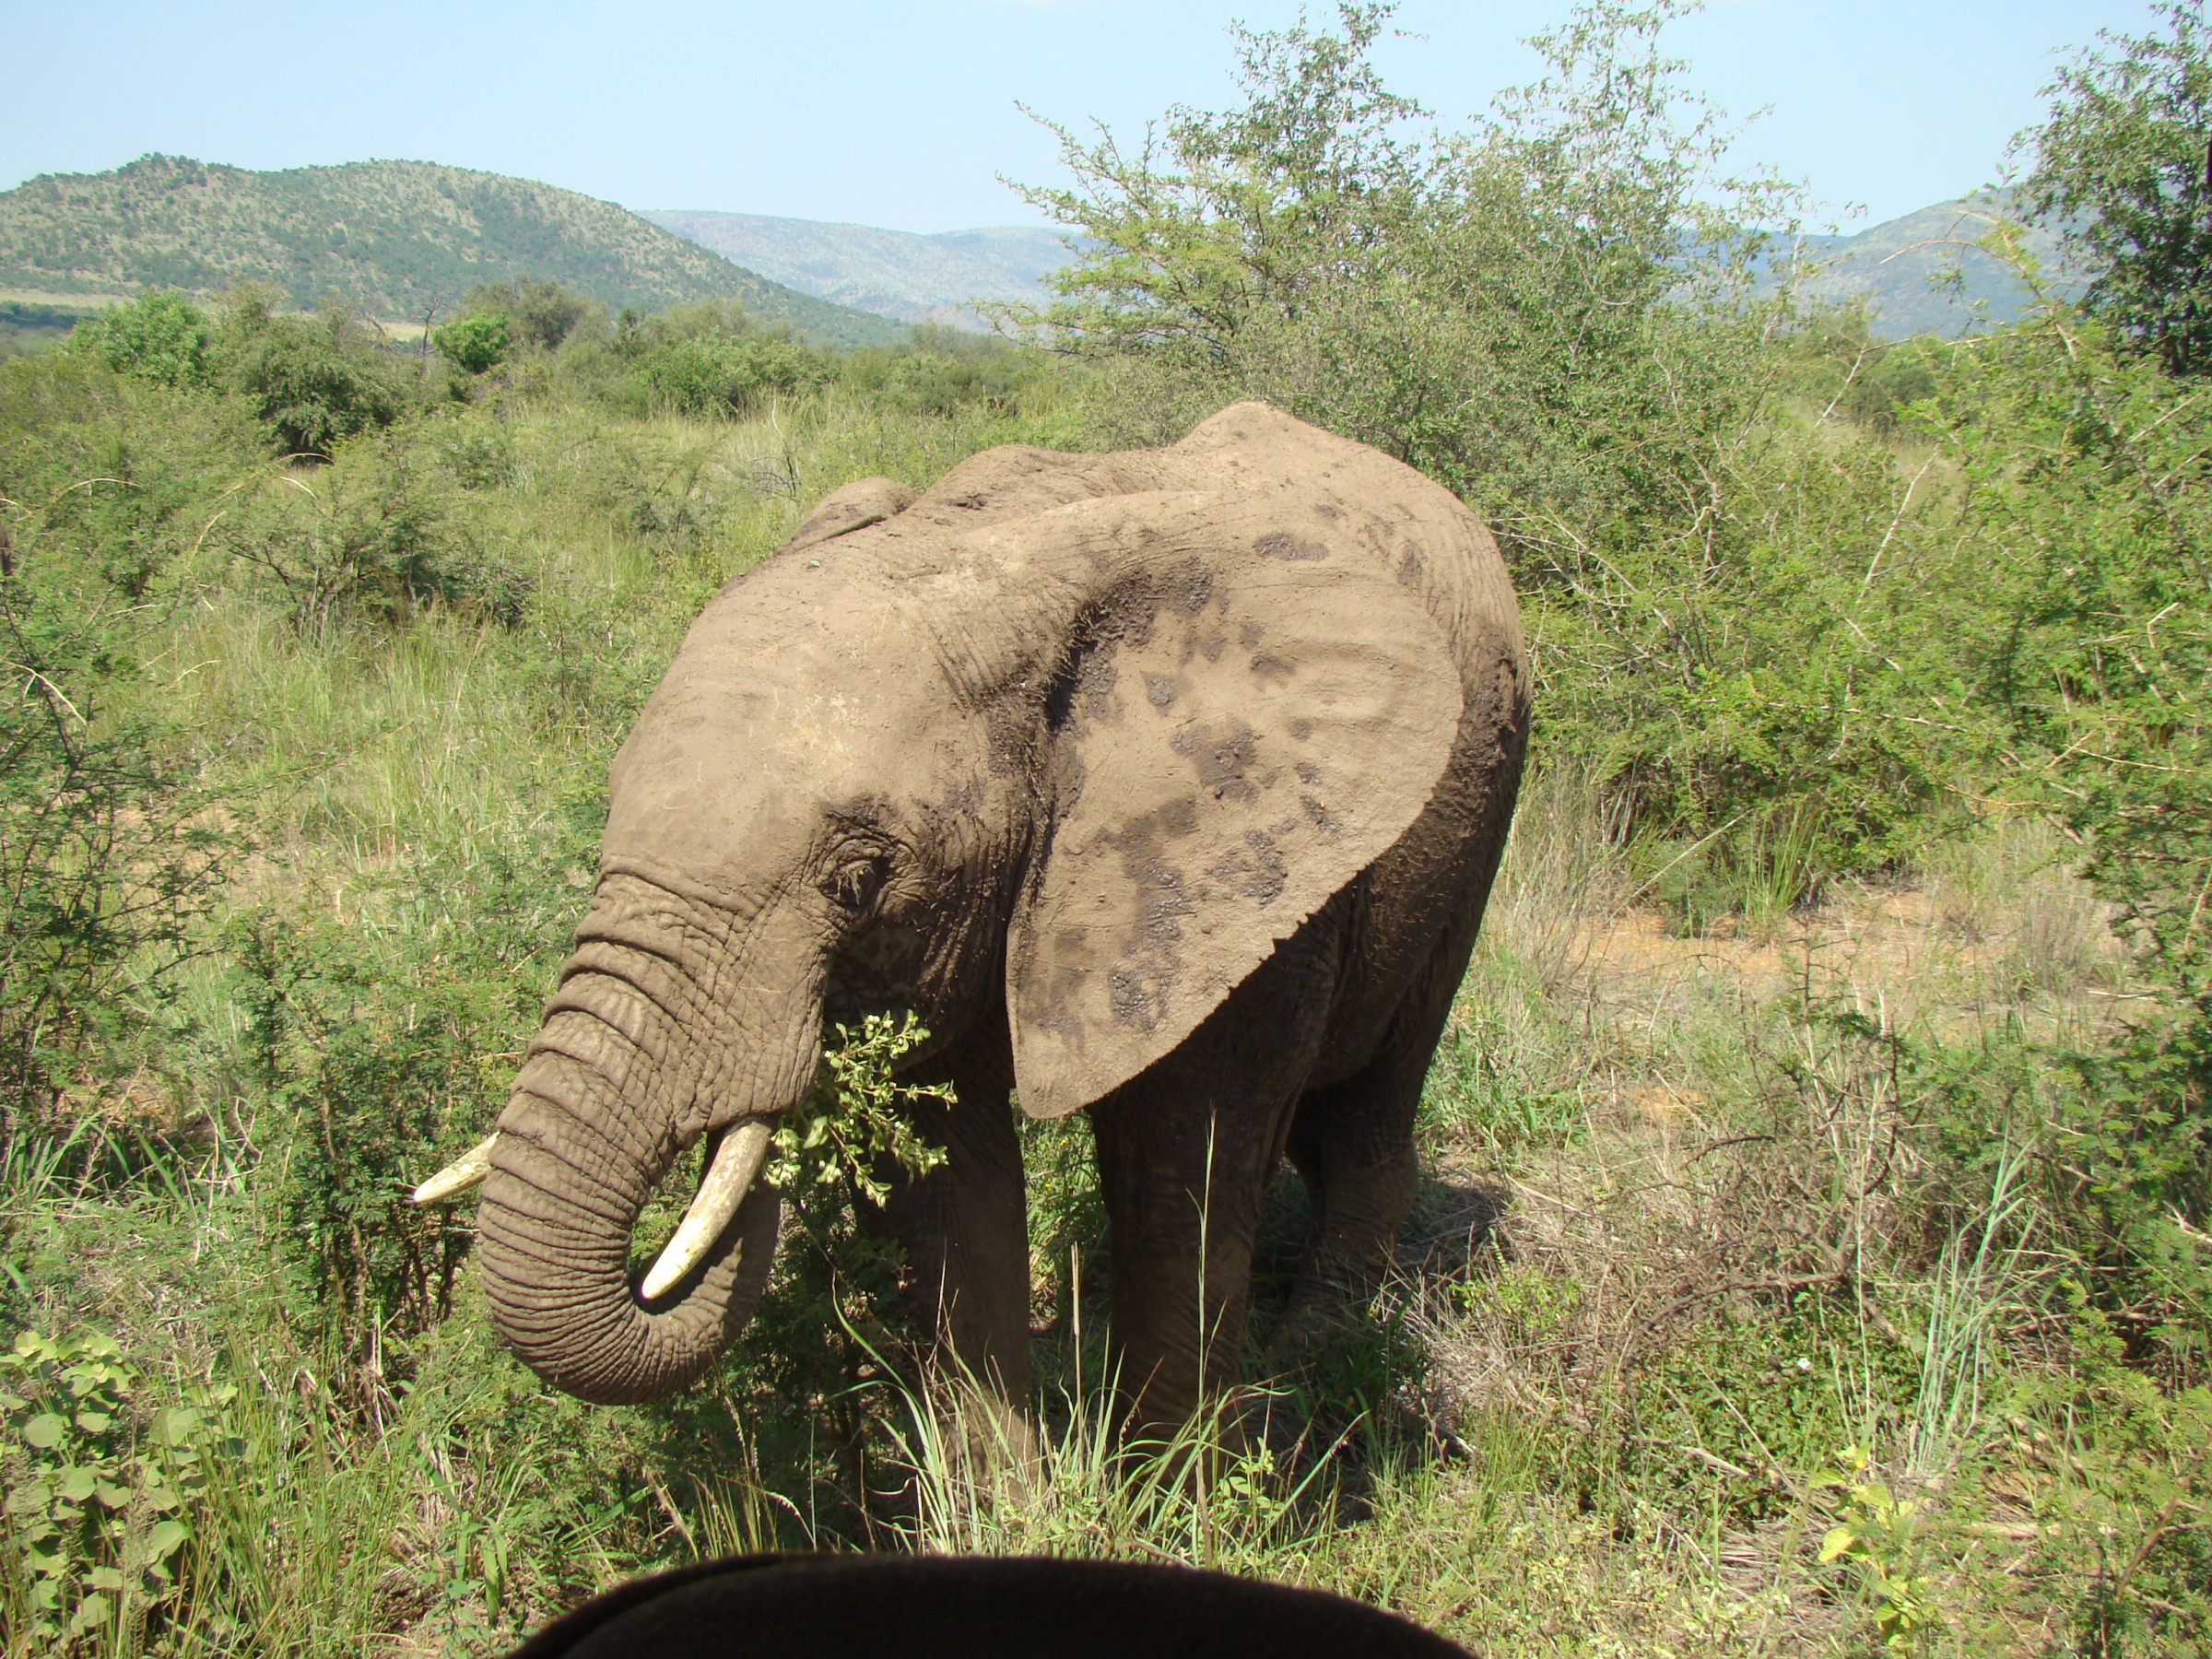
(900, 112)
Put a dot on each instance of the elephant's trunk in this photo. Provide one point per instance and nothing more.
(602, 1109)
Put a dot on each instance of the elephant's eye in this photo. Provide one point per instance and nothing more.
(854, 883)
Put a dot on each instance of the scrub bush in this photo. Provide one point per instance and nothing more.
(159, 336)
(313, 382)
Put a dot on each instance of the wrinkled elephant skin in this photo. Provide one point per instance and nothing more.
(1166, 786)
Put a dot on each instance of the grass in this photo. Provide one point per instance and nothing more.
(1620, 1409)
(1703, 1256)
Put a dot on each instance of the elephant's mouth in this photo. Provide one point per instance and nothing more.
(734, 1159)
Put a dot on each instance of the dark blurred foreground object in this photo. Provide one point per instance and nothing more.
(824, 1607)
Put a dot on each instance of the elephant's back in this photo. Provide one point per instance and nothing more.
(1349, 493)
(1424, 535)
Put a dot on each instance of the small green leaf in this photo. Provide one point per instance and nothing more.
(93, 1610)
(93, 1422)
(1838, 1542)
(45, 1430)
(105, 1578)
(76, 1483)
(174, 1426)
(113, 1496)
(166, 1538)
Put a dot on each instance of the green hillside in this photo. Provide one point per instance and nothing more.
(395, 237)
(1901, 267)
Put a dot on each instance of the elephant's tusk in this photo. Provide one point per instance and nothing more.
(736, 1161)
(463, 1172)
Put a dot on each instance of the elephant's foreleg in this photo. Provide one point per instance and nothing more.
(964, 1227)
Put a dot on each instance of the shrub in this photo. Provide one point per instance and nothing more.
(376, 1070)
(475, 343)
(133, 507)
(377, 532)
(942, 370)
(388, 1042)
(2086, 513)
(724, 374)
(107, 857)
(159, 336)
(539, 314)
(313, 382)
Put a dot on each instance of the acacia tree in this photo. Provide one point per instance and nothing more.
(2126, 159)
(1217, 225)
(1479, 303)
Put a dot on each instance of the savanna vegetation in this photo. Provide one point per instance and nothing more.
(1814, 1250)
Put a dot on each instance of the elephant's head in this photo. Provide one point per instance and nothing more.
(1076, 737)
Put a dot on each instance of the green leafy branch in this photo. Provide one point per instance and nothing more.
(858, 1114)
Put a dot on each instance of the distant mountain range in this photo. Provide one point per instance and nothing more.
(892, 272)
(1891, 266)
(393, 238)
(400, 238)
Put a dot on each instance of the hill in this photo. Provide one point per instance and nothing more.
(893, 273)
(395, 237)
(1897, 268)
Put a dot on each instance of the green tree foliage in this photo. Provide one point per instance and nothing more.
(474, 343)
(159, 336)
(314, 382)
(539, 314)
(2087, 512)
(2126, 159)
(710, 360)
(1226, 222)
(1471, 302)
(941, 370)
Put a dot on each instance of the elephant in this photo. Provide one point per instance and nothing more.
(1166, 786)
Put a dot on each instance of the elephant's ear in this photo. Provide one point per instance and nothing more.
(1250, 716)
(852, 507)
